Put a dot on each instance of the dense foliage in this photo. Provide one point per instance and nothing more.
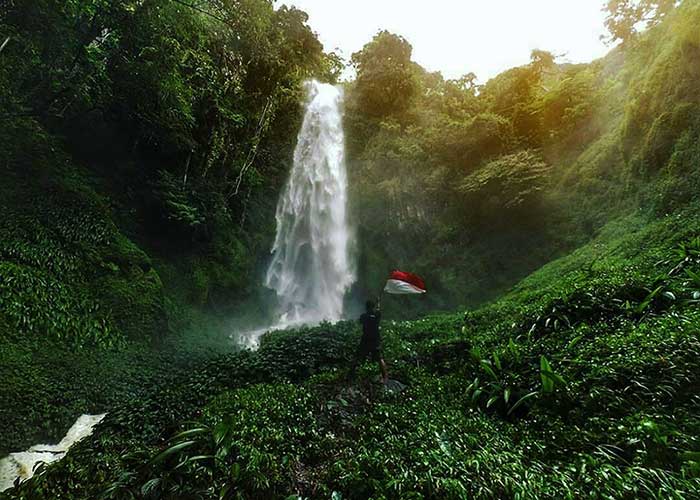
(580, 382)
(183, 114)
(501, 177)
(143, 143)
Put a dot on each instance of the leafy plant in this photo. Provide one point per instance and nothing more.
(550, 380)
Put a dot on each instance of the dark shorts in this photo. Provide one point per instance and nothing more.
(369, 350)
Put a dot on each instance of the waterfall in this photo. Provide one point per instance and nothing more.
(311, 267)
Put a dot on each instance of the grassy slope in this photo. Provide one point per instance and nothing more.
(74, 292)
(85, 322)
(623, 423)
(88, 318)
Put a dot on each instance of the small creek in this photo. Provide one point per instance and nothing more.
(23, 464)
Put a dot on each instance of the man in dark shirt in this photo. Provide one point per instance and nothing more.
(371, 342)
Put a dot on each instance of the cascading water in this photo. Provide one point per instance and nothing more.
(311, 268)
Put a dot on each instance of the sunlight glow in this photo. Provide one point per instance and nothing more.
(456, 37)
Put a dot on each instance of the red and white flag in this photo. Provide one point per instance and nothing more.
(402, 283)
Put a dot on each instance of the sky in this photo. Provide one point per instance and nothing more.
(456, 37)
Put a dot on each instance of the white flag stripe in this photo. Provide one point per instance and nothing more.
(399, 287)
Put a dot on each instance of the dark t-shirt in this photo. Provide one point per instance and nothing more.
(370, 327)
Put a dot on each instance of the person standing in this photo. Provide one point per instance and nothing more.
(371, 342)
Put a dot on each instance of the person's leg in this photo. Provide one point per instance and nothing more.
(385, 373)
(379, 359)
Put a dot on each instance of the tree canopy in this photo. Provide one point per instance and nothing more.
(385, 76)
(626, 18)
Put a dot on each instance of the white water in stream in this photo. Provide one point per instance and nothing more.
(311, 268)
(22, 464)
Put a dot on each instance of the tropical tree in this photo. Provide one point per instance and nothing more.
(625, 18)
(386, 83)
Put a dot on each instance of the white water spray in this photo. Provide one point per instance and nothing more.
(311, 268)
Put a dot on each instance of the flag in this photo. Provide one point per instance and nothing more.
(402, 283)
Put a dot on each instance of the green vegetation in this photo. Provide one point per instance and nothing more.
(505, 176)
(142, 146)
(553, 211)
(588, 380)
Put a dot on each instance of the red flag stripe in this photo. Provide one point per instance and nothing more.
(408, 278)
